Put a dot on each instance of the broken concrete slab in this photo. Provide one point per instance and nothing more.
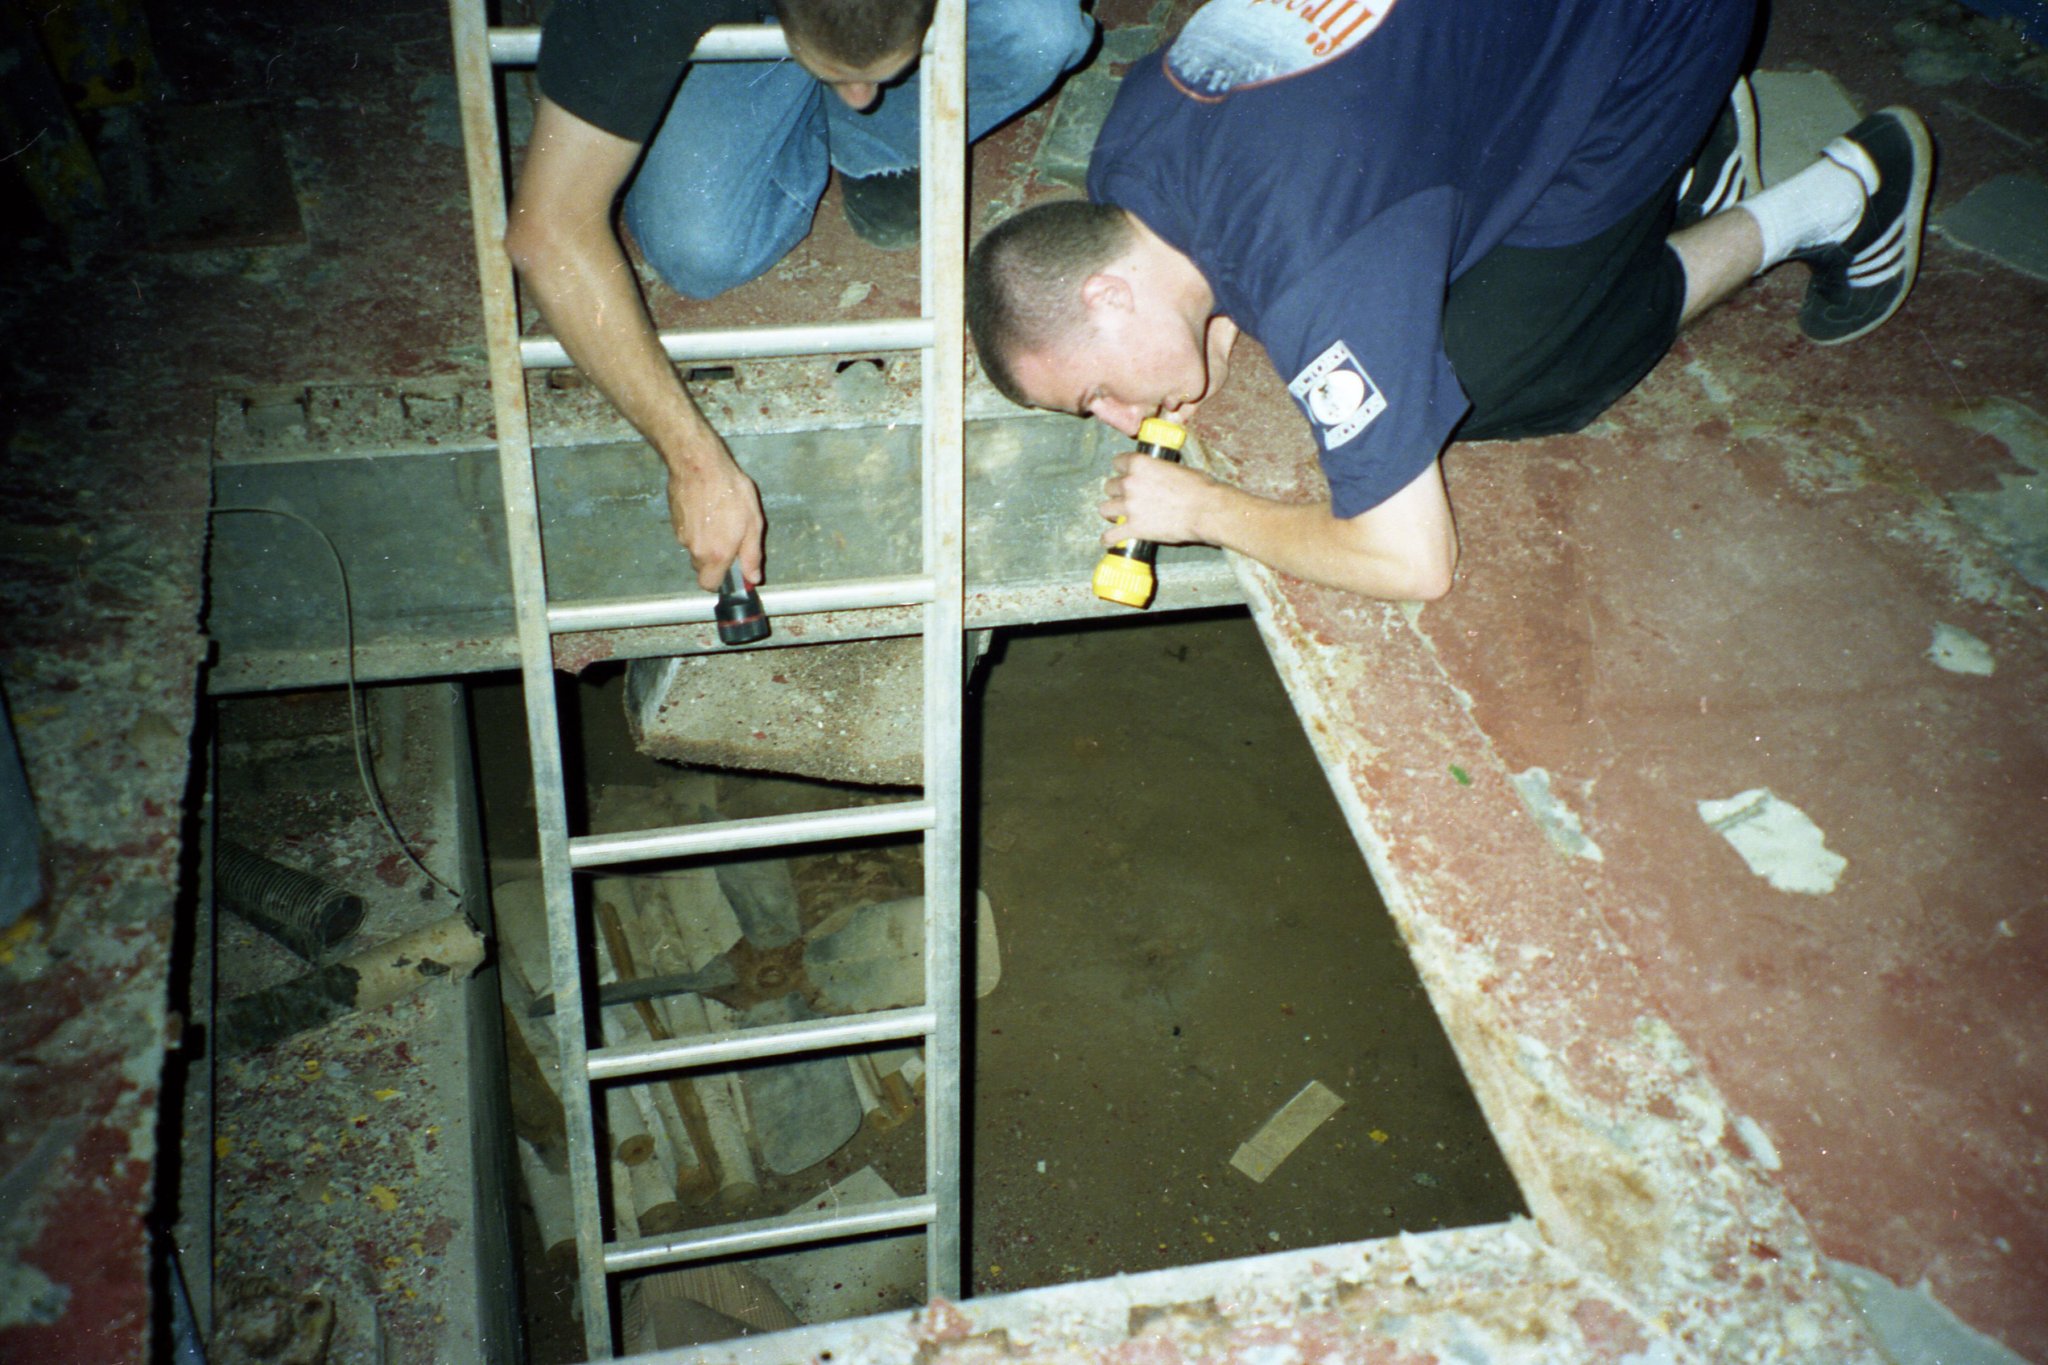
(762, 894)
(848, 712)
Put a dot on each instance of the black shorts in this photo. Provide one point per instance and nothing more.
(1544, 339)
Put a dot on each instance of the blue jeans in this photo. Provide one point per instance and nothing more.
(732, 177)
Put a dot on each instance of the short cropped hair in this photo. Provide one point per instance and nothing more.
(1024, 279)
(856, 32)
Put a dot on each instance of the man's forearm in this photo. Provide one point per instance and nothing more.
(588, 294)
(1401, 551)
(561, 238)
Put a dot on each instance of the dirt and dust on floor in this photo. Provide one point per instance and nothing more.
(1195, 1033)
(333, 1204)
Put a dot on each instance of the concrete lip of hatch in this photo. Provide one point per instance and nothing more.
(842, 503)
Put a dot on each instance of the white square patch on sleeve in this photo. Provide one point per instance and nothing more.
(1340, 396)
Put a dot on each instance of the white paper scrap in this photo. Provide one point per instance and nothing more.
(1262, 1154)
(1779, 841)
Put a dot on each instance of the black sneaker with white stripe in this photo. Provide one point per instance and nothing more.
(1860, 282)
(1725, 173)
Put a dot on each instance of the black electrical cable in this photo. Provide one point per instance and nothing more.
(364, 769)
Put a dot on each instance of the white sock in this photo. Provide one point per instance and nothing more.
(1817, 207)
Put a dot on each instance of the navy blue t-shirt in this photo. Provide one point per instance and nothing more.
(616, 63)
(1331, 165)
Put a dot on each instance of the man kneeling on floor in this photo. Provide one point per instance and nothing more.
(726, 163)
(1444, 219)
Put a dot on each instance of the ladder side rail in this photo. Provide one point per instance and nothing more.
(765, 340)
(943, 246)
(768, 1234)
(804, 599)
(484, 160)
(758, 1043)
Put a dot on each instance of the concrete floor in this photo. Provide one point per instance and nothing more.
(1774, 569)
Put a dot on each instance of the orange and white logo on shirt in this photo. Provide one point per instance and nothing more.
(1340, 396)
(1231, 44)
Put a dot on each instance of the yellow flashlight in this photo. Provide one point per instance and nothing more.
(1125, 572)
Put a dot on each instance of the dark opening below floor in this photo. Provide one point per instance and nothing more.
(1188, 935)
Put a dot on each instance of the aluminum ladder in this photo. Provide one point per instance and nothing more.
(939, 333)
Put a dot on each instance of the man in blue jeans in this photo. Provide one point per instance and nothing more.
(723, 166)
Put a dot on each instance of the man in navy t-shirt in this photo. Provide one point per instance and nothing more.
(1441, 218)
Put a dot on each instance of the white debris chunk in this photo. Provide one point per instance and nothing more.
(1778, 840)
(1759, 1142)
(1559, 822)
(1958, 651)
(1261, 1154)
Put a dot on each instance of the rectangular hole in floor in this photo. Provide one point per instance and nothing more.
(1184, 936)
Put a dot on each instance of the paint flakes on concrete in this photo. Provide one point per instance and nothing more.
(1817, 463)
(1560, 823)
(1958, 651)
(1712, 385)
(1915, 1327)
(2014, 516)
(1946, 46)
(1974, 573)
(28, 1297)
(1778, 841)
(2005, 218)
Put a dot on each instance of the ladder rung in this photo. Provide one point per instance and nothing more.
(726, 43)
(768, 831)
(766, 1234)
(754, 343)
(853, 594)
(755, 1044)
